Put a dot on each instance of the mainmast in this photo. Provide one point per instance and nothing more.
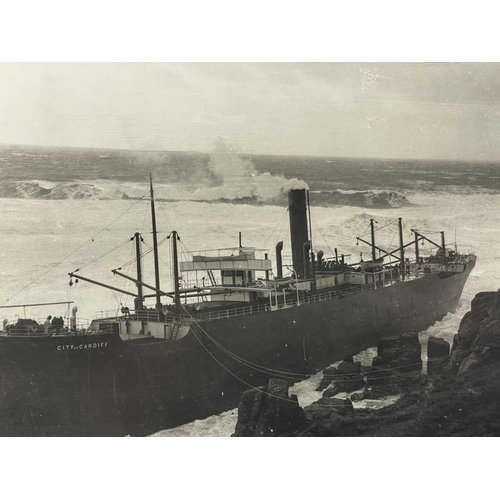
(401, 248)
(155, 251)
(177, 297)
(140, 297)
(372, 227)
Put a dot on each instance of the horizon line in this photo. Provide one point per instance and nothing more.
(243, 153)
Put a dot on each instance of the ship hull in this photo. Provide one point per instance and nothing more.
(52, 386)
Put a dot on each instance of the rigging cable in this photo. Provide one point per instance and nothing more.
(150, 249)
(284, 374)
(236, 376)
(280, 223)
(272, 371)
(129, 283)
(316, 228)
(69, 255)
(105, 254)
(165, 215)
(379, 228)
(278, 238)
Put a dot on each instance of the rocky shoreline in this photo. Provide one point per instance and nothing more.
(458, 396)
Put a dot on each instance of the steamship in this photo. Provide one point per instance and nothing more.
(194, 353)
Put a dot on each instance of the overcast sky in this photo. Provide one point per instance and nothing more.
(393, 110)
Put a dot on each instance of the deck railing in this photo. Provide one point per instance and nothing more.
(135, 315)
(292, 302)
(37, 329)
(383, 281)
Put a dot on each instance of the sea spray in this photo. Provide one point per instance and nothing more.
(238, 178)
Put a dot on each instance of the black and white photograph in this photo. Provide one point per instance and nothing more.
(249, 249)
(227, 220)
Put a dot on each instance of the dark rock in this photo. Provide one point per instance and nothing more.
(387, 356)
(438, 355)
(380, 377)
(347, 368)
(489, 336)
(358, 396)
(323, 385)
(329, 376)
(330, 426)
(478, 339)
(410, 339)
(347, 383)
(269, 411)
(331, 391)
(460, 351)
(250, 404)
(388, 343)
(349, 359)
(347, 377)
(479, 306)
(325, 407)
(472, 361)
(402, 353)
(350, 385)
(382, 391)
(493, 304)
(402, 380)
(468, 327)
(437, 348)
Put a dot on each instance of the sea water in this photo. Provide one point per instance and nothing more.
(65, 210)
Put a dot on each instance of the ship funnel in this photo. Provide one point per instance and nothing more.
(5, 321)
(298, 229)
(279, 262)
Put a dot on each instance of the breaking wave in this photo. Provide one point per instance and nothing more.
(47, 190)
(373, 199)
(265, 189)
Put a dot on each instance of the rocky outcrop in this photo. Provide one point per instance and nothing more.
(327, 415)
(269, 411)
(478, 338)
(397, 357)
(346, 377)
(438, 355)
(460, 396)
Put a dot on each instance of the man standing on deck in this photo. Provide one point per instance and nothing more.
(46, 325)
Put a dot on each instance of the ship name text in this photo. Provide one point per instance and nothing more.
(71, 347)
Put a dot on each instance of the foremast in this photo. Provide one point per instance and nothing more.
(161, 315)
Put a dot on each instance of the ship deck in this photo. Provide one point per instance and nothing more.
(334, 293)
